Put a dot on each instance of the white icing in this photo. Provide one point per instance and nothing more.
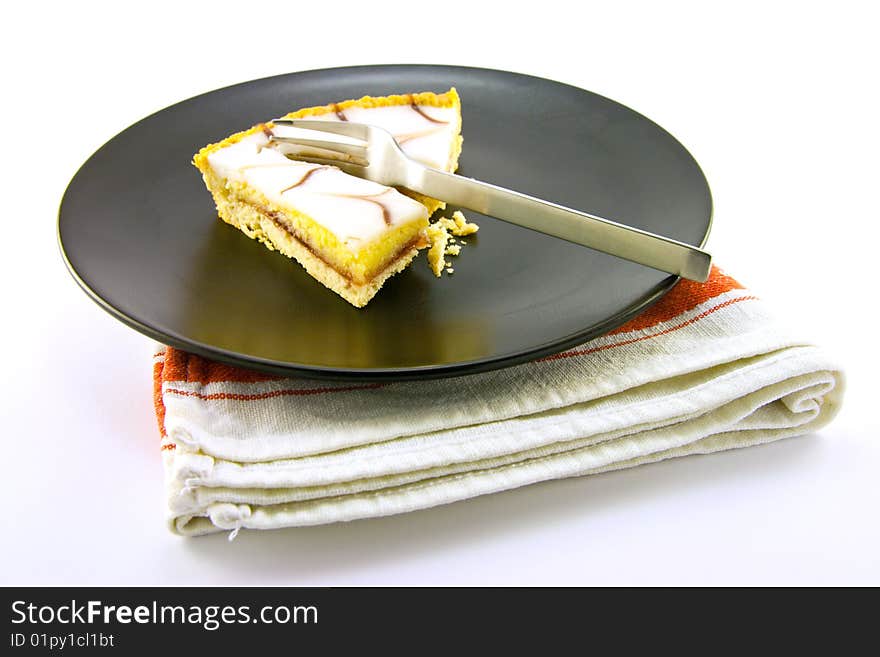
(327, 196)
(421, 139)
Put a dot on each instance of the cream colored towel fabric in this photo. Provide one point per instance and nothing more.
(703, 370)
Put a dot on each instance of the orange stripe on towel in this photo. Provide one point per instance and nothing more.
(159, 405)
(189, 368)
(684, 296)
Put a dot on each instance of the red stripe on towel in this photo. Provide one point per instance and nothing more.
(290, 392)
(692, 320)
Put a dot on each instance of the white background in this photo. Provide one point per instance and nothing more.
(778, 103)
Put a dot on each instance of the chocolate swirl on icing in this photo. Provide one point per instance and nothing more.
(368, 198)
(386, 215)
(306, 176)
(402, 139)
(371, 198)
(418, 110)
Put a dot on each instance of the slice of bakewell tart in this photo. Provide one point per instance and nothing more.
(348, 233)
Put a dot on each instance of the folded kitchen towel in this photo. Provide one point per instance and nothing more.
(703, 370)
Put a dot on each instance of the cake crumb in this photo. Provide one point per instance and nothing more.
(443, 243)
(437, 237)
(462, 227)
(458, 225)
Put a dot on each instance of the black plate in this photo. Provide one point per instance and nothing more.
(140, 234)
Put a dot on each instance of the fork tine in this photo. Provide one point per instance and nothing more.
(348, 167)
(356, 130)
(342, 148)
(298, 152)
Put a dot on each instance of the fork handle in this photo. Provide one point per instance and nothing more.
(639, 246)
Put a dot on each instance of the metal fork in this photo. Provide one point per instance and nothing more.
(372, 153)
